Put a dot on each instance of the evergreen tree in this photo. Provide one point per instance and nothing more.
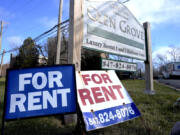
(28, 54)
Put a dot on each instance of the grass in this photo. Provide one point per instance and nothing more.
(158, 115)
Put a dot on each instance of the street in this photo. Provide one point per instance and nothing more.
(170, 82)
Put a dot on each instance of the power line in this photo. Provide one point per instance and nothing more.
(125, 1)
(40, 36)
(62, 30)
(12, 50)
(50, 30)
(28, 9)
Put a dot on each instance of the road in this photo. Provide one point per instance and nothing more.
(170, 82)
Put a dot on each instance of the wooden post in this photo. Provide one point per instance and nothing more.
(75, 42)
(75, 33)
(148, 63)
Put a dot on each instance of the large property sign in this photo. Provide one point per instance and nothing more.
(40, 91)
(110, 27)
(103, 100)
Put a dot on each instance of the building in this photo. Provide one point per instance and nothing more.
(171, 70)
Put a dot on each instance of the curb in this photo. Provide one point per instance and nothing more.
(178, 90)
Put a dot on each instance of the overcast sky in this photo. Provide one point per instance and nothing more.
(26, 18)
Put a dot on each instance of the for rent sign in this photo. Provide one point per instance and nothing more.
(40, 91)
(103, 99)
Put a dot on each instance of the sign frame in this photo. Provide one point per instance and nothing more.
(5, 97)
(119, 61)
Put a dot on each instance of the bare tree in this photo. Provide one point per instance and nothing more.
(50, 49)
(159, 63)
(160, 60)
(174, 53)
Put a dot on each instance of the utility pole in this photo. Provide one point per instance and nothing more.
(0, 48)
(1, 34)
(58, 53)
(58, 50)
(2, 62)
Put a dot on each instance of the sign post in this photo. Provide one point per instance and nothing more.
(75, 42)
(148, 63)
(75, 33)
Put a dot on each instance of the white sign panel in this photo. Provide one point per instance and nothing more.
(103, 100)
(118, 65)
(110, 27)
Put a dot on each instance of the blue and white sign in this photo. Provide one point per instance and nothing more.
(103, 100)
(40, 91)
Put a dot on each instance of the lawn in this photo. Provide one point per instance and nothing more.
(158, 115)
